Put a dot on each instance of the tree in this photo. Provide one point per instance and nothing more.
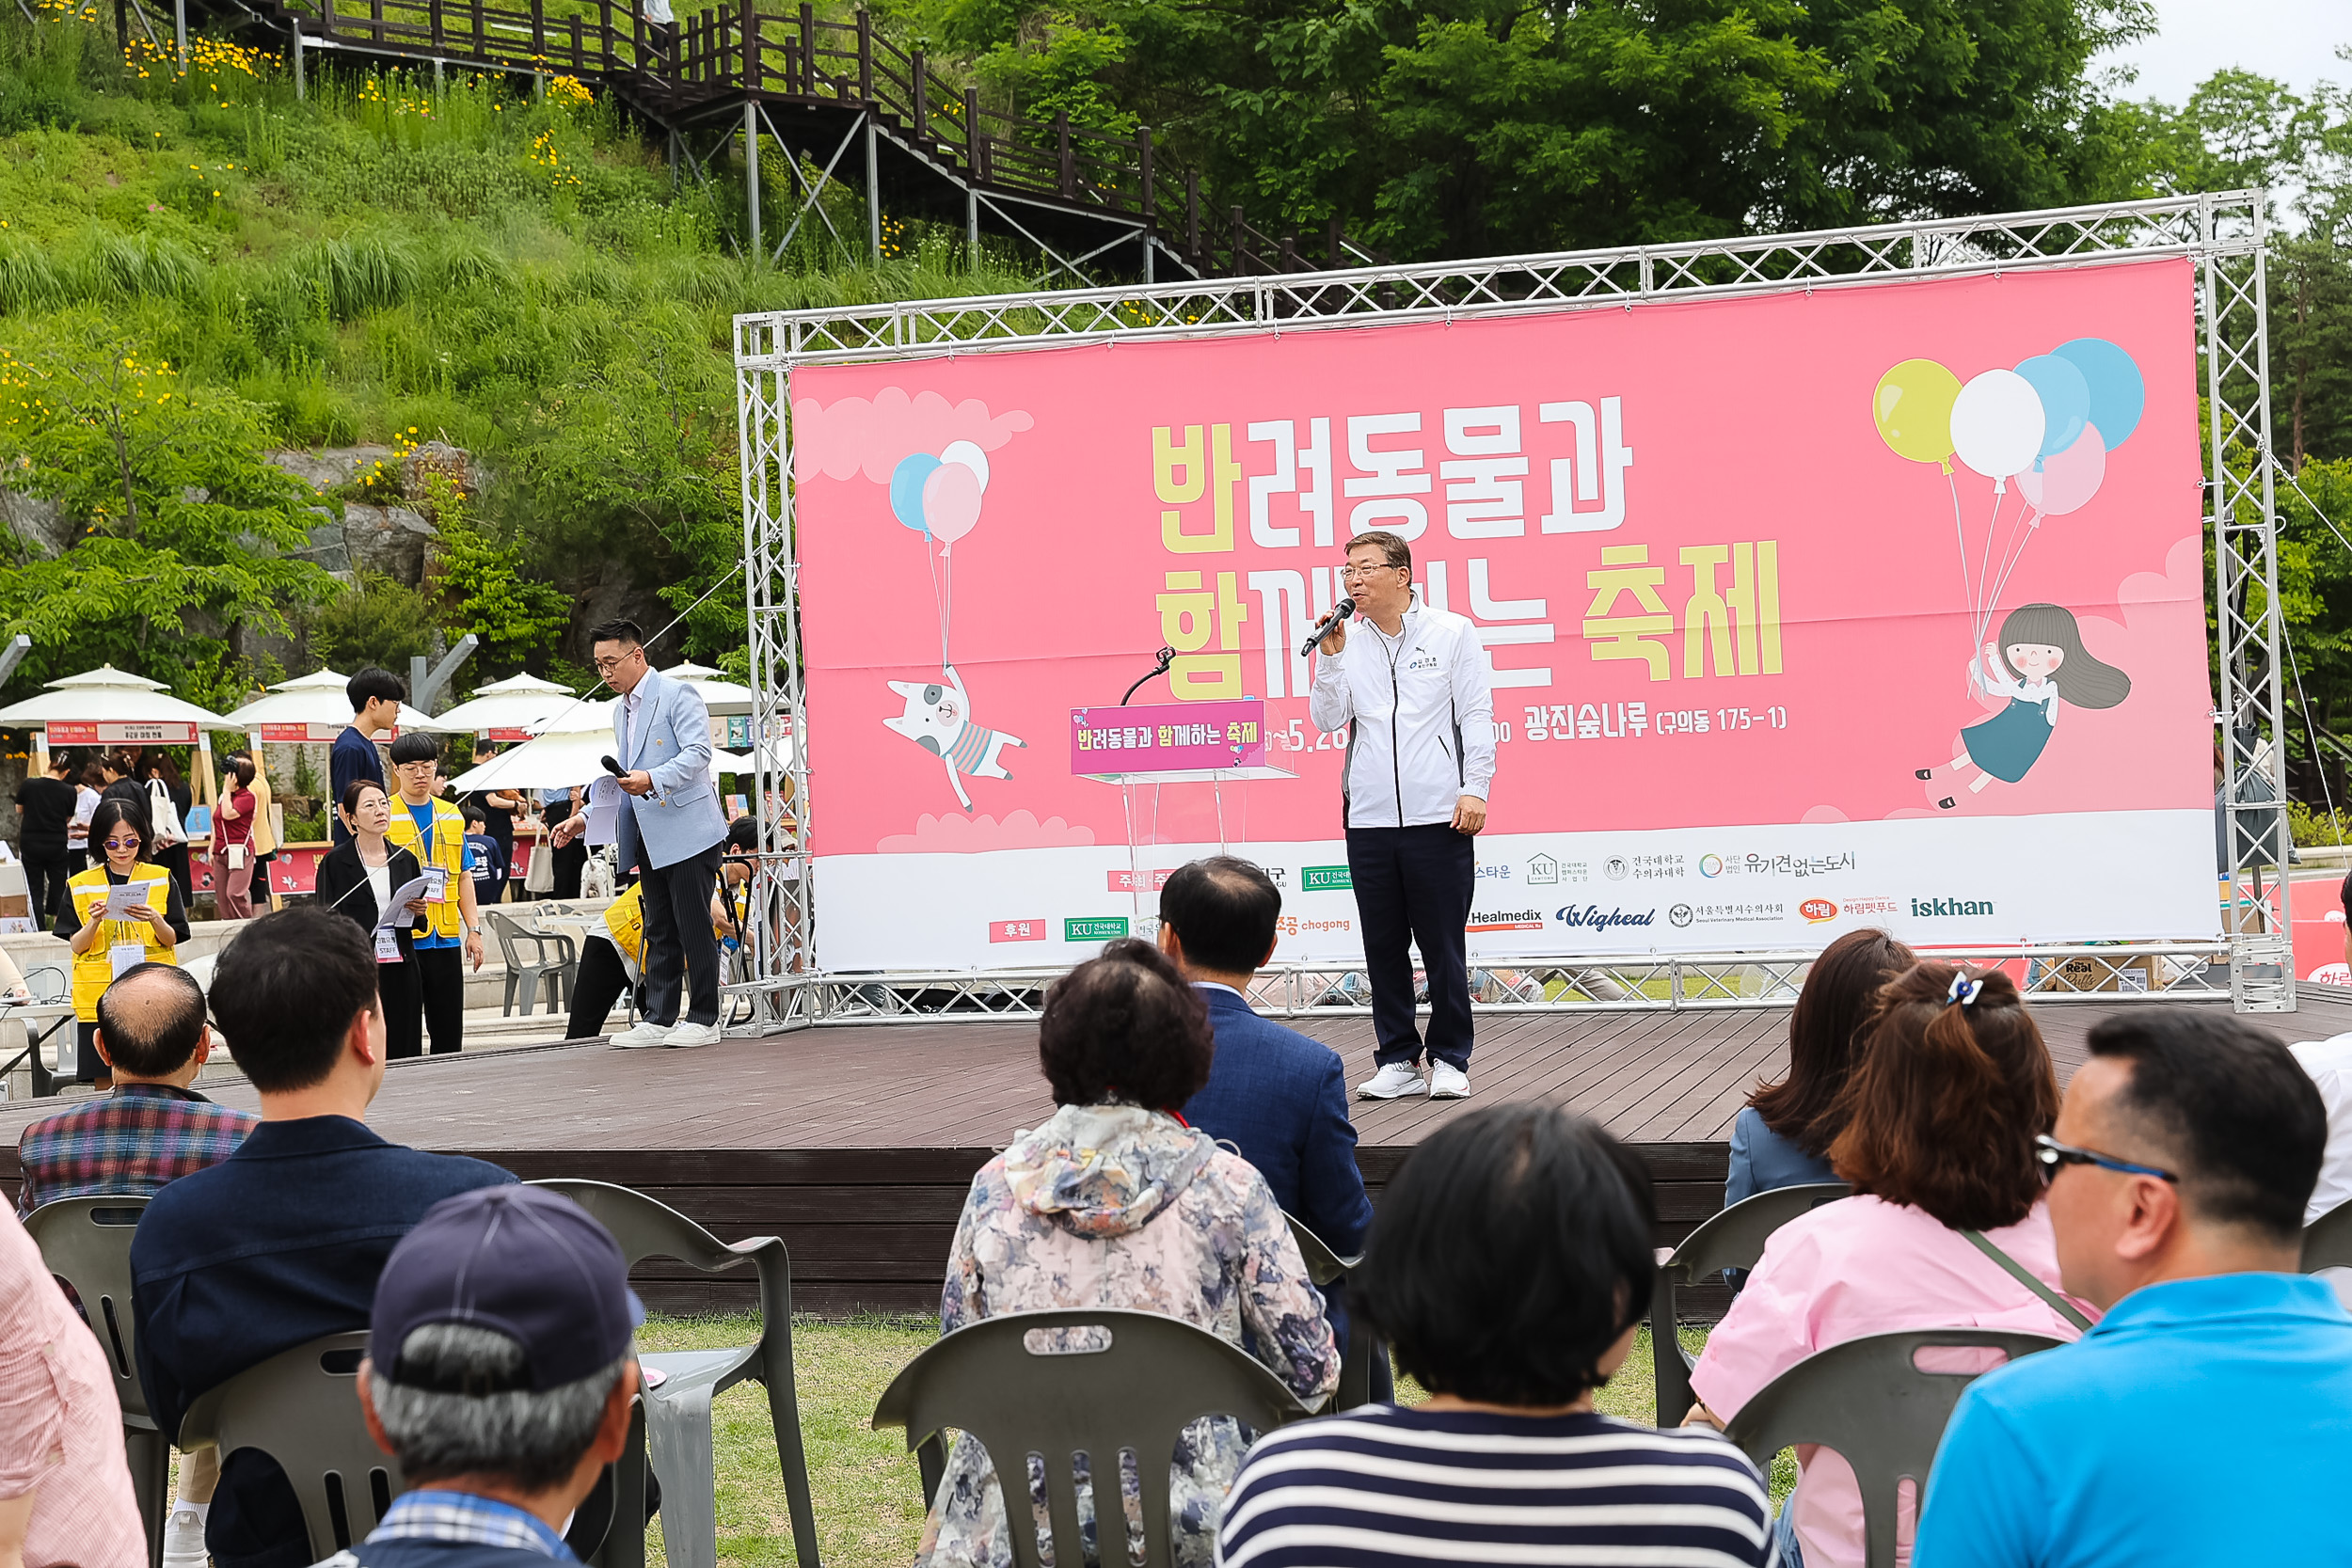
(183, 532)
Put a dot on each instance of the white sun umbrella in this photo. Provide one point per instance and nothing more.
(778, 756)
(313, 707)
(508, 709)
(721, 696)
(107, 706)
(568, 749)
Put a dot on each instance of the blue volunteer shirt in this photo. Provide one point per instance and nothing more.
(2202, 1421)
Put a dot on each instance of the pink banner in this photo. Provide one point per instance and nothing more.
(1915, 552)
(1168, 738)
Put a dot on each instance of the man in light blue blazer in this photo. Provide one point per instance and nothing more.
(671, 829)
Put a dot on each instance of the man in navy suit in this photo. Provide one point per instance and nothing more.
(1273, 1093)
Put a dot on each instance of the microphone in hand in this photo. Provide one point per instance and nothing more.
(611, 766)
(1340, 612)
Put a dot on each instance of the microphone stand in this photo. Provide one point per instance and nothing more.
(1167, 658)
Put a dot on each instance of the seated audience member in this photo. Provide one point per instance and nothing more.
(1781, 1138)
(153, 1128)
(65, 1485)
(1947, 1228)
(1115, 1202)
(500, 1374)
(612, 956)
(149, 931)
(2329, 1064)
(1274, 1094)
(2204, 1419)
(1510, 1266)
(281, 1242)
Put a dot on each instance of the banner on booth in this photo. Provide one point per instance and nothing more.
(1879, 606)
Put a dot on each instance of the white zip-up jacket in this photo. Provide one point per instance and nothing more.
(1421, 711)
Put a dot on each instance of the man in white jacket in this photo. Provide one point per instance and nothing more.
(1412, 688)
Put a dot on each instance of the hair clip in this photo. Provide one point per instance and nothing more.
(1965, 988)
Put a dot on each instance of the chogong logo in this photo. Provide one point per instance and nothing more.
(1924, 907)
(1815, 910)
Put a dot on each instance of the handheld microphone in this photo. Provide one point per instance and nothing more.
(611, 766)
(1339, 612)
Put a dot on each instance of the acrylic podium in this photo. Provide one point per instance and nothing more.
(1145, 748)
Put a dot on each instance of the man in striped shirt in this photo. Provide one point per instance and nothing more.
(1509, 1265)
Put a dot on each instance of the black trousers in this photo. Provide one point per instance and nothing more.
(570, 861)
(1413, 885)
(397, 984)
(44, 880)
(601, 983)
(677, 937)
(441, 978)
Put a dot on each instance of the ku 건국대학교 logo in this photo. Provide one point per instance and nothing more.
(1542, 871)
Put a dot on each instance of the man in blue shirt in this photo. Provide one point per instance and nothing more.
(2207, 1418)
(375, 697)
(281, 1242)
(1277, 1096)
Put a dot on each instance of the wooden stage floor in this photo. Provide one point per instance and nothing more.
(856, 1144)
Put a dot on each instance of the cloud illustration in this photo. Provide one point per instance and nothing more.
(965, 835)
(873, 435)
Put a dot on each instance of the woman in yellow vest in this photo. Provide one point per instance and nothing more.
(140, 932)
(610, 959)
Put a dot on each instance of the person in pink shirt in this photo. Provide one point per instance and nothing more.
(65, 1487)
(1948, 1226)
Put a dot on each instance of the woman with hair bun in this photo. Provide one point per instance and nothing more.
(1948, 1226)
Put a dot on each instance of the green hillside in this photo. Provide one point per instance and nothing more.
(197, 270)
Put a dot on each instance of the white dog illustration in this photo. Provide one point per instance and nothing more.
(939, 720)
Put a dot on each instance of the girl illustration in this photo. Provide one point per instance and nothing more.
(2037, 641)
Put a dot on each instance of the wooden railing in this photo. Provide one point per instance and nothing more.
(725, 54)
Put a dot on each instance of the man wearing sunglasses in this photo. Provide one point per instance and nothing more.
(2203, 1419)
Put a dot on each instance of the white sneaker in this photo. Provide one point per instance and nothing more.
(641, 1035)
(1393, 1081)
(1448, 1082)
(183, 1539)
(685, 1036)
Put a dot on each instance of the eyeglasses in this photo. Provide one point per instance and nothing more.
(2051, 1154)
(120, 843)
(606, 666)
(1359, 574)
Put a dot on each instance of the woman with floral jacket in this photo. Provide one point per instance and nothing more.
(1116, 1203)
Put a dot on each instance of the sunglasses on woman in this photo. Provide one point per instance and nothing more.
(120, 843)
(2051, 1154)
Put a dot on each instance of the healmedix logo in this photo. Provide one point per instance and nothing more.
(1924, 907)
(1592, 917)
(1505, 920)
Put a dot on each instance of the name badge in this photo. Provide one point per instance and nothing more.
(123, 956)
(387, 945)
(437, 884)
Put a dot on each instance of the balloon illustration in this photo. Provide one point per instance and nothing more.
(906, 488)
(1913, 407)
(2067, 479)
(2119, 394)
(951, 502)
(2065, 402)
(1996, 425)
(970, 456)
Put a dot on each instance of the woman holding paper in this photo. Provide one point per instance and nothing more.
(357, 878)
(123, 912)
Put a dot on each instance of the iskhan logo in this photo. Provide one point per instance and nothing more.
(1592, 917)
(1924, 907)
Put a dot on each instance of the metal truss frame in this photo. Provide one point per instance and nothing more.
(2222, 234)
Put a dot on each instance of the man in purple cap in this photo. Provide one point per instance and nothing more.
(500, 1374)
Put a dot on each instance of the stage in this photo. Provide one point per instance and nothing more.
(856, 1144)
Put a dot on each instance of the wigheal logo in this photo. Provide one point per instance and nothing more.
(1592, 917)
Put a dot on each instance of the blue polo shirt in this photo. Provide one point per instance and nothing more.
(2200, 1422)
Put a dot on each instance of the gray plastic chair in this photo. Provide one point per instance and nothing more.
(523, 976)
(1157, 1376)
(1733, 1239)
(677, 1413)
(300, 1407)
(1324, 1267)
(1868, 1400)
(2328, 1241)
(86, 1242)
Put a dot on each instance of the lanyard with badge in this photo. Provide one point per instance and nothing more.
(121, 956)
(435, 876)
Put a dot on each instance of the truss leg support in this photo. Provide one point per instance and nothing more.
(873, 193)
(1148, 248)
(750, 170)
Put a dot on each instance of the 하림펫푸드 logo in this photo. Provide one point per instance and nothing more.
(1592, 917)
(1094, 927)
(1505, 920)
(1321, 878)
(1816, 910)
(1929, 909)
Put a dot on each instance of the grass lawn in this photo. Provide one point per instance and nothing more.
(869, 1515)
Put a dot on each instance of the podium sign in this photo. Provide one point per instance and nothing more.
(1166, 738)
